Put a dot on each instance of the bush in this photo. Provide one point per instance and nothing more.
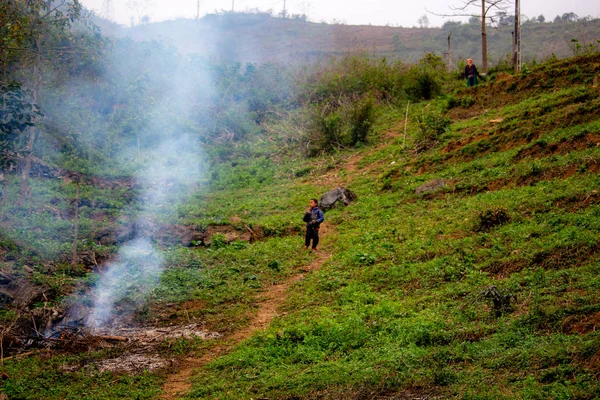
(491, 218)
(424, 85)
(425, 77)
(347, 124)
(354, 76)
(218, 241)
(431, 125)
(344, 96)
(361, 120)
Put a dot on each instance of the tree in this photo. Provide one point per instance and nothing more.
(40, 36)
(305, 7)
(450, 25)
(488, 10)
(17, 113)
(423, 21)
(570, 17)
(474, 20)
(140, 8)
(541, 19)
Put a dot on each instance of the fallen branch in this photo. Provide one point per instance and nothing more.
(26, 354)
(113, 338)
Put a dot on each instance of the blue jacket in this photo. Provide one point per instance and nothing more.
(314, 215)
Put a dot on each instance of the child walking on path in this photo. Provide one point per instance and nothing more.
(313, 218)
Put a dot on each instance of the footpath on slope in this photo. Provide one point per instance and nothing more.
(269, 303)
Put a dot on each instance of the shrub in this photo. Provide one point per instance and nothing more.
(424, 85)
(361, 120)
(491, 218)
(431, 125)
(218, 241)
(344, 124)
(424, 78)
(354, 76)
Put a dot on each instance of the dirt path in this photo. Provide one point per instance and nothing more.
(269, 303)
(350, 165)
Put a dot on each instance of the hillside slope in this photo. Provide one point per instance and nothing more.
(482, 284)
(260, 38)
(486, 287)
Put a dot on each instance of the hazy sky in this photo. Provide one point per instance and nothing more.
(375, 12)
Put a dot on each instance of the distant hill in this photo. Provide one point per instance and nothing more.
(261, 37)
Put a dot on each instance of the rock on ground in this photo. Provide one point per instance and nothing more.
(330, 199)
(431, 186)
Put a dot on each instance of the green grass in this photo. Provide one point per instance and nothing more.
(402, 306)
(36, 378)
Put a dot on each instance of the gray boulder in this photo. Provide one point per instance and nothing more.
(431, 186)
(337, 195)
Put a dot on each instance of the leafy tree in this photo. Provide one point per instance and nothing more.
(17, 113)
(39, 36)
(451, 24)
(423, 21)
(570, 17)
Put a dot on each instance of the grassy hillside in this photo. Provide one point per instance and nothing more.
(260, 37)
(486, 287)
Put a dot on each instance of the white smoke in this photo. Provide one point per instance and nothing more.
(174, 164)
(135, 272)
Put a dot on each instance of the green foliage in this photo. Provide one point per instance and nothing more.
(218, 241)
(401, 306)
(431, 125)
(242, 173)
(17, 113)
(491, 218)
(580, 49)
(35, 378)
(353, 76)
(344, 97)
(424, 78)
(361, 120)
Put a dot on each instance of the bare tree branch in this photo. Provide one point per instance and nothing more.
(485, 7)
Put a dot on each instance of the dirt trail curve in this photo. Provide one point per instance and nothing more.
(269, 302)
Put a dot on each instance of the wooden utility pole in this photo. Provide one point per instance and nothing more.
(484, 66)
(517, 38)
(284, 12)
(449, 53)
(198, 10)
(232, 5)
